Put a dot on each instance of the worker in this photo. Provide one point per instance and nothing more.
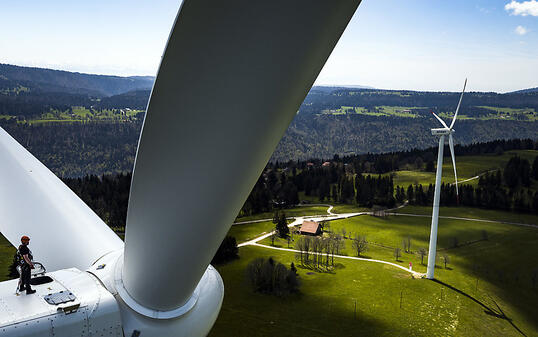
(25, 261)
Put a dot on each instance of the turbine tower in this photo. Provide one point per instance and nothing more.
(441, 132)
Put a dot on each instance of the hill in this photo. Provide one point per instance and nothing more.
(530, 90)
(48, 80)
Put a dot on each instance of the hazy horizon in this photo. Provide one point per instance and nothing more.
(418, 45)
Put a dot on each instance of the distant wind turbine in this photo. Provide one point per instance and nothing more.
(442, 132)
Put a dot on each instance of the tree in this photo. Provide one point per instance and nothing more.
(535, 168)
(271, 277)
(407, 244)
(334, 194)
(359, 244)
(281, 224)
(455, 242)
(397, 253)
(430, 166)
(446, 259)
(422, 252)
(293, 269)
(299, 245)
(12, 269)
(227, 251)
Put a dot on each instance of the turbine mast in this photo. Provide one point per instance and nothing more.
(435, 212)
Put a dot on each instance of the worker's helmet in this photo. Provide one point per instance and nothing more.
(25, 238)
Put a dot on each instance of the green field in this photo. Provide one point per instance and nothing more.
(467, 167)
(486, 289)
(502, 266)
(6, 257)
(245, 232)
(384, 110)
(82, 114)
(290, 212)
(525, 114)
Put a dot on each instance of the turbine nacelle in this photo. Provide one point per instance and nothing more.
(442, 132)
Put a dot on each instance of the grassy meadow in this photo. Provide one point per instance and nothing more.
(525, 114)
(82, 114)
(486, 288)
(467, 167)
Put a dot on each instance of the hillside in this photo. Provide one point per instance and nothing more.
(323, 135)
(331, 120)
(48, 80)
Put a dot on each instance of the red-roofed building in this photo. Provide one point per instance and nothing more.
(310, 228)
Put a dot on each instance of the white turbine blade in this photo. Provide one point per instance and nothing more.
(459, 103)
(440, 120)
(232, 78)
(64, 232)
(451, 145)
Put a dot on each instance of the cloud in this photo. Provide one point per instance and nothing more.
(520, 30)
(483, 10)
(523, 8)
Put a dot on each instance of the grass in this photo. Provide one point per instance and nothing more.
(455, 308)
(6, 256)
(81, 114)
(325, 306)
(467, 167)
(250, 231)
(290, 212)
(340, 209)
(525, 114)
(475, 213)
(384, 110)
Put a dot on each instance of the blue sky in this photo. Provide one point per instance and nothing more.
(392, 44)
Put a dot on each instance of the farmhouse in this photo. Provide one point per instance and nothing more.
(310, 228)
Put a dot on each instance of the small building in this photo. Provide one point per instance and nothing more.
(310, 228)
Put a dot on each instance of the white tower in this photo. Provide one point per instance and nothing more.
(441, 132)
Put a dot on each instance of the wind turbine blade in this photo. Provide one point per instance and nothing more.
(451, 145)
(64, 231)
(459, 103)
(439, 119)
(232, 78)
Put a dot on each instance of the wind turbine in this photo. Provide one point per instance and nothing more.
(231, 79)
(441, 132)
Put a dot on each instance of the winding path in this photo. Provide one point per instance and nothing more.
(414, 273)
(331, 216)
(467, 219)
(334, 216)
(473, 178)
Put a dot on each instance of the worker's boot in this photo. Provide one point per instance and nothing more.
(29, 291)
(21, 289)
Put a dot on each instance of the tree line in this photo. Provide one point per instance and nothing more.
(344, 181)
(506, 189)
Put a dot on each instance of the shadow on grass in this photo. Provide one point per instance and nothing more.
(488, 310)
(321, 269)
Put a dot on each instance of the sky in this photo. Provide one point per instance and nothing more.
(390, 44)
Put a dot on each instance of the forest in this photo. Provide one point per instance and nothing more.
(343, 121)
(356, 180)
